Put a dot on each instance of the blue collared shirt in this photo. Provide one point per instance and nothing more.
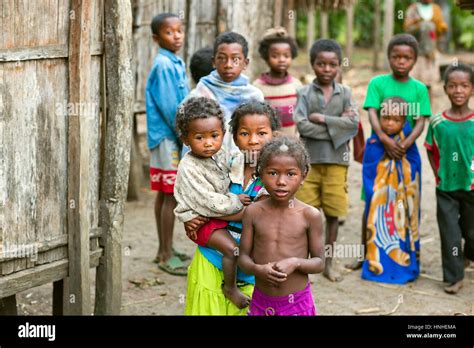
(166, 88)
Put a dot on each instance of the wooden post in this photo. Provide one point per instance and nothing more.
(350, 27)
(78, 181)
(60, 303)
(311, 22)
(120, 88)
(289, 17)
(277, 13)
(291, 14)
(388, 27)
(8, 305)
(324, 24)
(136, 180)
(375, 65)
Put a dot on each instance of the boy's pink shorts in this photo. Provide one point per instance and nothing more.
(204, 233)
(300, 303)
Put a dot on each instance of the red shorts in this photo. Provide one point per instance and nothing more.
(164, 161)
(204, 233)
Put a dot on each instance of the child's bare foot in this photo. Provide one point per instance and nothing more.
(355, 265)
(236, 296)
(331, 273)
(454, 288)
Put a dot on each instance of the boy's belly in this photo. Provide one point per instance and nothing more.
(296, 281)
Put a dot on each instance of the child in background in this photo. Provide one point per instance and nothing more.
(327, 120)
(227, 84)
(200, 63)
(202, 186)
(392, 193)
(278, 86)
(280, 233)
(167, 86)
(252, 125)
(450, 145)
(402, 52)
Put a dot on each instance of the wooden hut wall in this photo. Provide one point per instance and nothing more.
(34, 80)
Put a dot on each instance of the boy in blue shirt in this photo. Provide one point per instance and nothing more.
(167, 86)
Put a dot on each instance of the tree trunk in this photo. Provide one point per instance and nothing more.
(251, 19)
(311, 22)
(388, 27)
(349, 29)
(377, 20)
(324, 24)
(277, 13)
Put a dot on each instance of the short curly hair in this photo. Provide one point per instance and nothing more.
(200, 64)
(158, 21)
(254, 107)
(231, 37)
(325, 45)
(284, 145)
(403, 40)
(458, 67)
(196, 108)
(265, 44)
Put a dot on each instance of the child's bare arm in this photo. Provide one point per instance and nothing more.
(432, 162)
(315, 264)
(234, 217)
(409, 140)
(316, 244)
(246, 243)
(264, 272)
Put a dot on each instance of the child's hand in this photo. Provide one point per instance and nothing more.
(286, 266)
(191, 234)
(193, 225)
(270, 275)
(317, 118)
(393, 149)
(349, 112)
(245, 199)
(405, 145)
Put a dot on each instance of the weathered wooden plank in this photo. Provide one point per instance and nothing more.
(78, 158)
(19, 20)
(44, 274)
(21, 97)
(120, 87)
(1, 24)
(91, 126)
(63, 21)
(48, 246)
(51, 121)
(8, 27)
(53, 27)
(3, 176)
(32, 24)
(32, 53)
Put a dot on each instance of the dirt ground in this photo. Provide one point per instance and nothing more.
(157, 293)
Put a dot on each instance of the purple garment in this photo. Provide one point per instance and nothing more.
(300, 303)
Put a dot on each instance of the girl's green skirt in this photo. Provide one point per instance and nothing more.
(204, 294)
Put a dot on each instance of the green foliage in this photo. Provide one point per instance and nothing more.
(463, 28)
(363, 32)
